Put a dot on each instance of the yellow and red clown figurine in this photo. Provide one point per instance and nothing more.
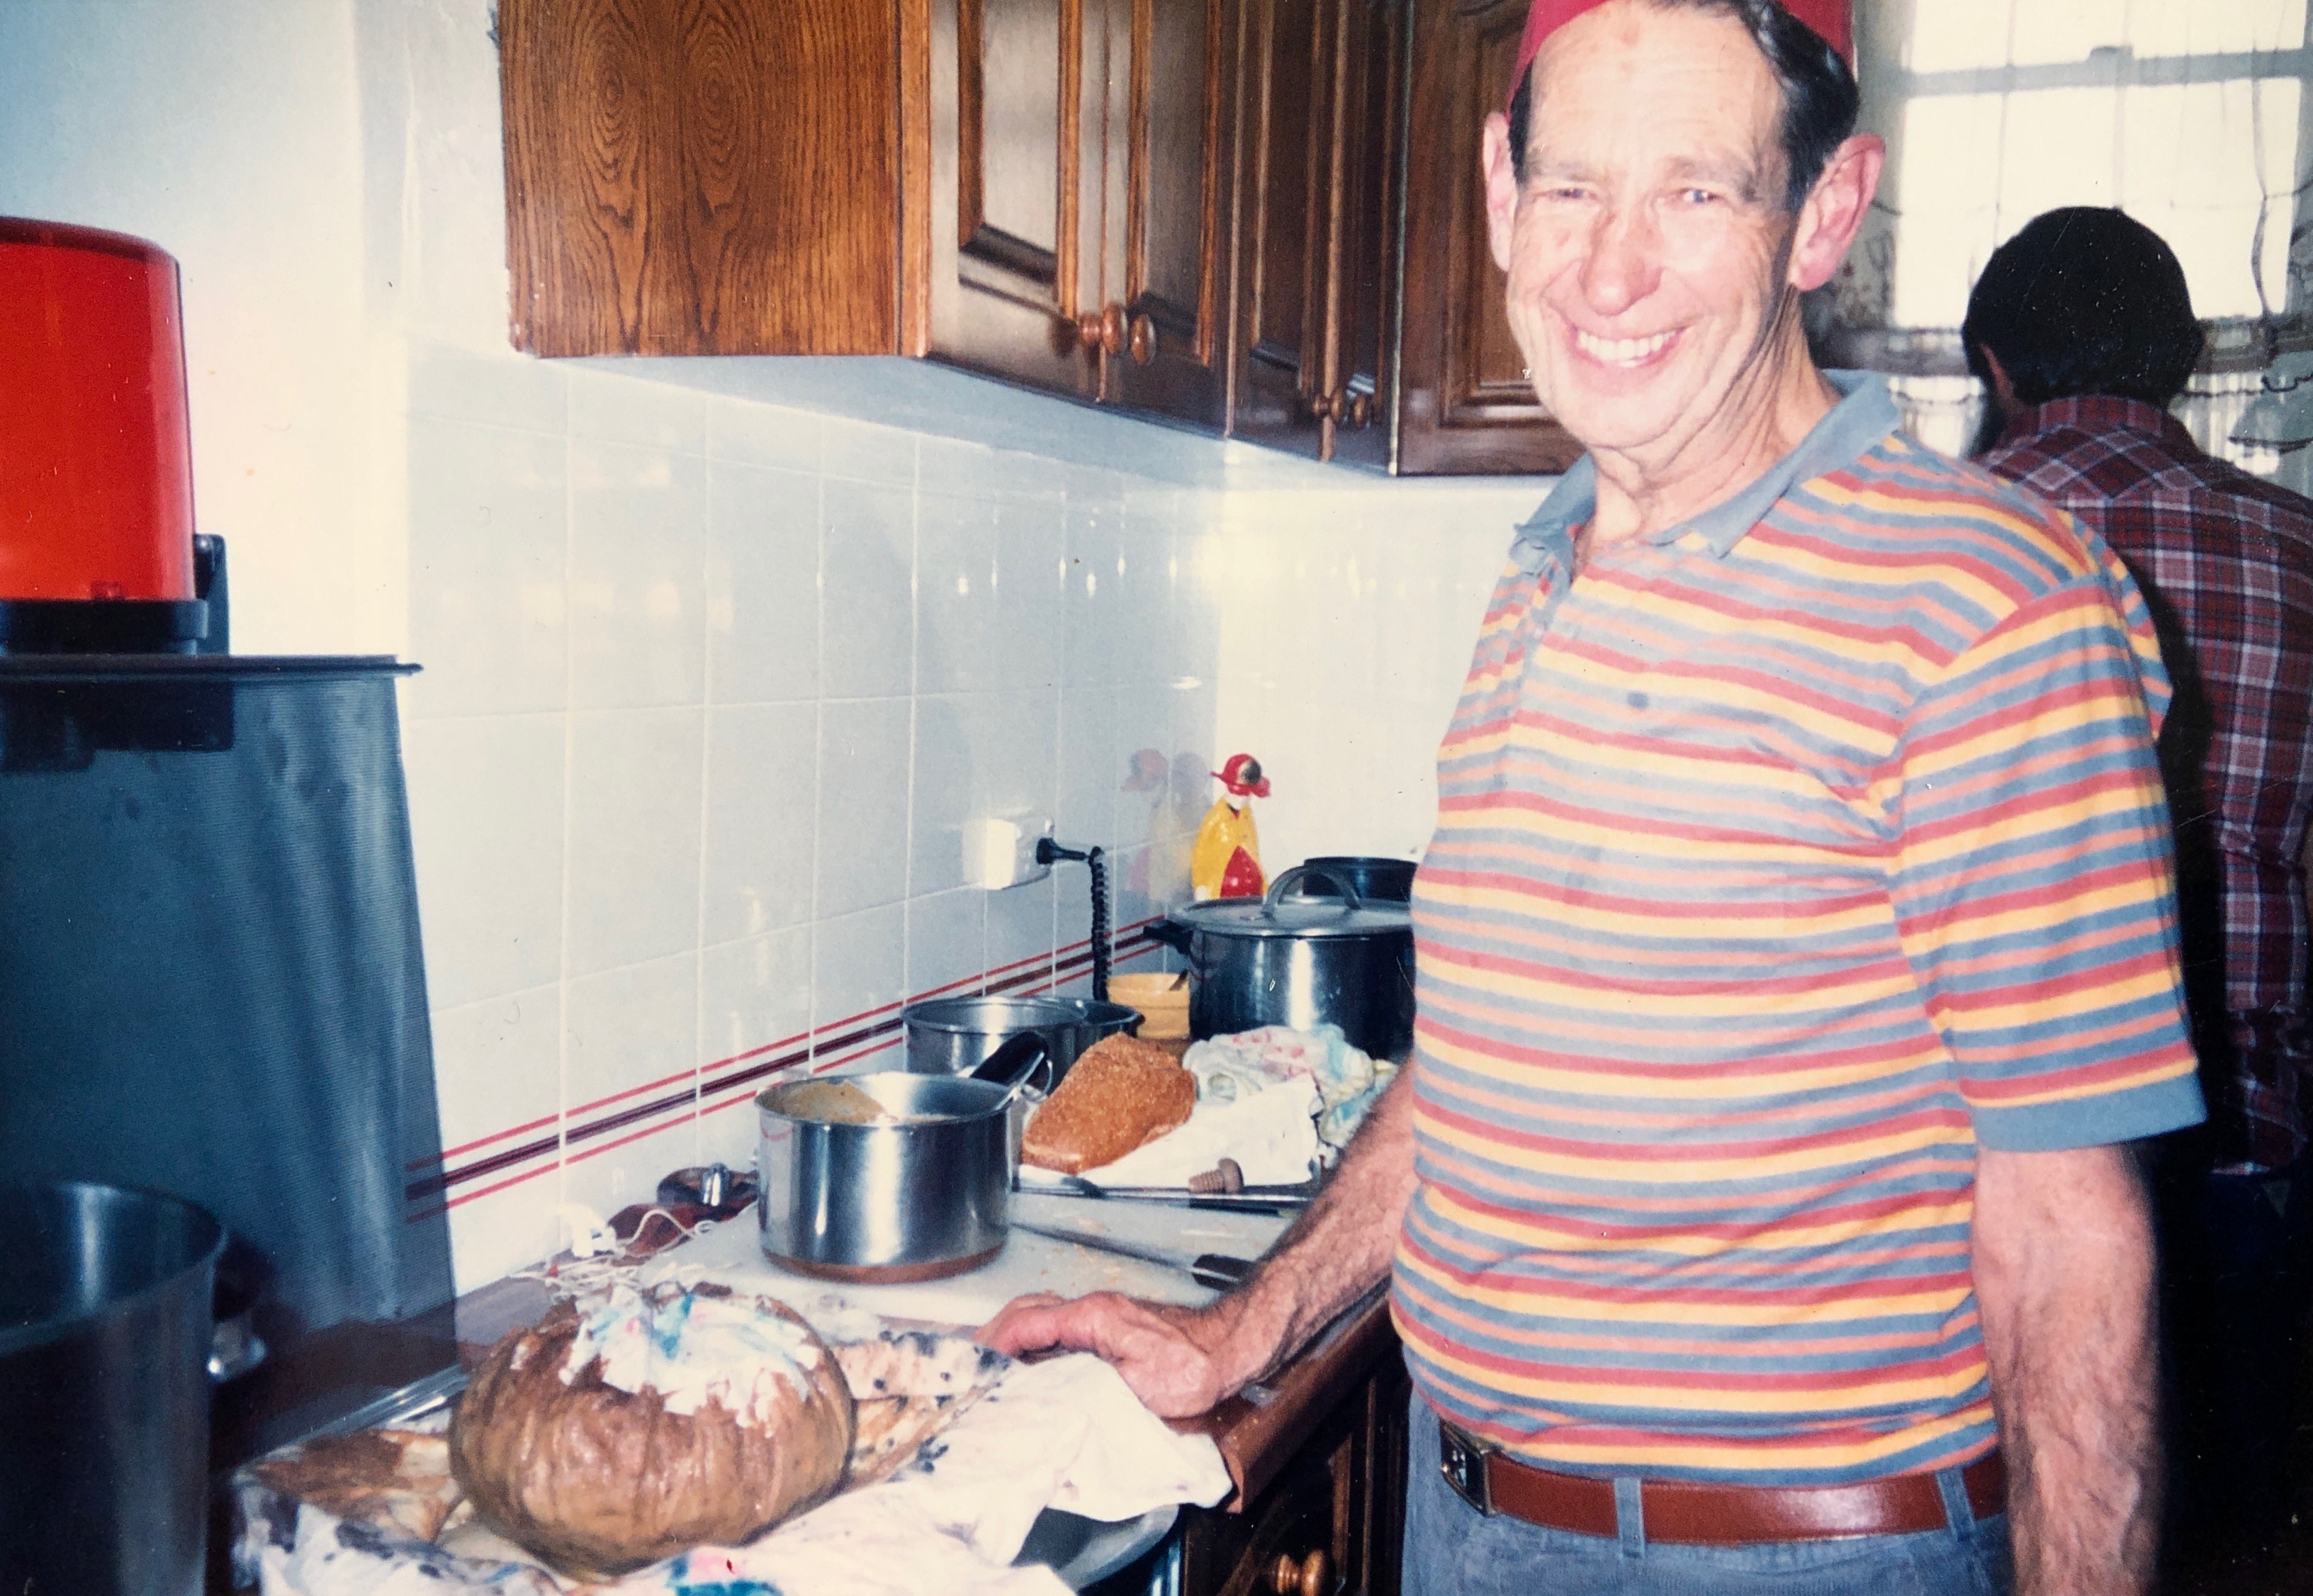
(1225, 862)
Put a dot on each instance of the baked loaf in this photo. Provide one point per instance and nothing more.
(1123, 1093)
(631, 1426)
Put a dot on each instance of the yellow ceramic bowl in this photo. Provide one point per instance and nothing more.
(1162, 997)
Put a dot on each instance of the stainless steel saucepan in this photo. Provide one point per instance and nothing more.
(954, 1035)
(893, 1177)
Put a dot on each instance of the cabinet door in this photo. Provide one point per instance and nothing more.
(1361, 368)
(704, 178)
(1171, 87)
(1464, 405)
(1017, 90)
(1287, 170)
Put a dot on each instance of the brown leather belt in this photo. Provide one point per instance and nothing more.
(1680, 1513)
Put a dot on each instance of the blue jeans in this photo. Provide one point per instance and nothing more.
(1452, 1549)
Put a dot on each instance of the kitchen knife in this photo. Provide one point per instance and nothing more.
(1219, 1271)
(1252, 1199)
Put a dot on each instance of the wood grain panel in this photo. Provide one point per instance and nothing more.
(1013, 198)
(1368, 193)
(1017, 62)
(1462, 407)
(1286, 167)
(1171, 131)
(701, 177)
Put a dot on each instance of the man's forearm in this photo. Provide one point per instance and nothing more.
(2064, 1274)
(1338, 1249)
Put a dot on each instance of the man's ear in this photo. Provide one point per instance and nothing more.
(2003, 388)
(1834, 209)
(1501, 186)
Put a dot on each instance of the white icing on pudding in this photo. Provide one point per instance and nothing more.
(690, 1350)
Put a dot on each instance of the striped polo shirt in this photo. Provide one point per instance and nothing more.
(1783, 859)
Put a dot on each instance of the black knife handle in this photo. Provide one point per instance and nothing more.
(1219, 1271)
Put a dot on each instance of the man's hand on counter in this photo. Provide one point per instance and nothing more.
(1181, 1362)
(1177, 1360)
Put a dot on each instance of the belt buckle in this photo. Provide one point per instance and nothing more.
(1462, 1459)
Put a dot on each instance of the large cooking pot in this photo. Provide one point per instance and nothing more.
(1371, 876)
(893, 1176)
(105, 1341)
(1292, 960)
(955, 1036)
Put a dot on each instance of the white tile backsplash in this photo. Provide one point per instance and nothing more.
(748, 434)
(862, 856)
(488, 554)
(947, 942)
(629, 1039)
(713, 685)
(638, 577)
(763, 801)
(860, 977)
(959, 640)
(867, 547)
(485, 796)
(499, 1065)
(753, 994)
(613, 408)
(863, 452)
(762, 585)
(635, 776)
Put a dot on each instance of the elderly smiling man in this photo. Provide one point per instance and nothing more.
(1796, 947)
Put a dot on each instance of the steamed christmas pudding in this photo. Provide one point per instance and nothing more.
(637, 1424)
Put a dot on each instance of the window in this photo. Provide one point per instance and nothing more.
(2187, 114)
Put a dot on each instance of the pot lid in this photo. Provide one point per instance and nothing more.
(1278, 915)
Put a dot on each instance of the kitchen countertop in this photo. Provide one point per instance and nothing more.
(1257, 1432)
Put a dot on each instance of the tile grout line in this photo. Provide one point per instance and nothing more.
(818, 735)
(915, 708)
(706, 767)
(569, 760)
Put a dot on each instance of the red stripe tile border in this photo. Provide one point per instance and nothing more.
(847, 1041)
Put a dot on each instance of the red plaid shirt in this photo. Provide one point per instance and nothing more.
(2225, 561)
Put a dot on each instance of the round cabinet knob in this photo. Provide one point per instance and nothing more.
(1144, 341)
(1321, 406)
(1102, 329)
(1361, 409)
(1309, 1576)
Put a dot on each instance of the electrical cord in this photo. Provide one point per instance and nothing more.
(1049, 852)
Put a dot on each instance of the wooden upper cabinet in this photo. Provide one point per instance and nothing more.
(1286, 199)
(1361, 371)
(1262, 217)
(1170, 135)
(1016, 94)
(696, 178)
(1032, 188)
(1464, 406)
(1316, 269)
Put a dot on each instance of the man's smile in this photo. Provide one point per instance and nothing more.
(1626, 353)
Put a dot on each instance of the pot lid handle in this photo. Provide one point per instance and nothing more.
(1342, 889)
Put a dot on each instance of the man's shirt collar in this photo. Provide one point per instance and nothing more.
(1863, 416)
(2100, 414)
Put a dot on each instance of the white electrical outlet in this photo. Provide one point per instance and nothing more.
(999, 851)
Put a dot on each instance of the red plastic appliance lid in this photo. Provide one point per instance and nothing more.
(96, 483)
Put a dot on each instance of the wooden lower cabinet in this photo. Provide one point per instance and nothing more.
(1331, 1523)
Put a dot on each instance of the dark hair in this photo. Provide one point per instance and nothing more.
(2084, 300)
(1820, 98)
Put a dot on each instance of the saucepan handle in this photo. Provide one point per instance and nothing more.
(1171, 933)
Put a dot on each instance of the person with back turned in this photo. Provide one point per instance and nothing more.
(1794, 957)
(2081, 327)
